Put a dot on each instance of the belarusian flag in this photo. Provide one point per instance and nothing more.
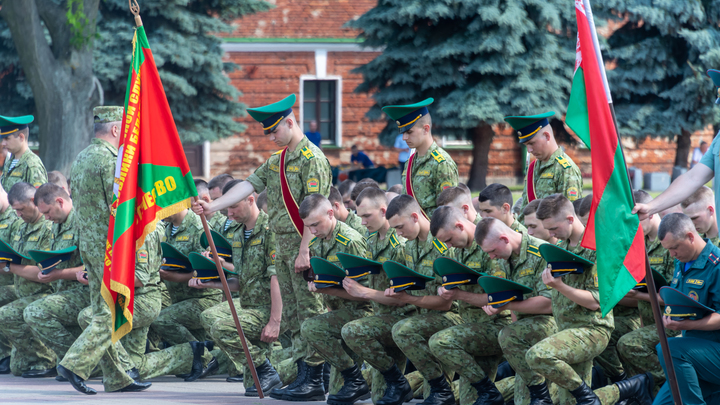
(612, 230)
(152, 181)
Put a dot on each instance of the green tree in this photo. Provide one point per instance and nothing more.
(661, 53)
(480, 59)
(65, 57)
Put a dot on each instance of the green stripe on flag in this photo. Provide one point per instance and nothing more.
(577, 111)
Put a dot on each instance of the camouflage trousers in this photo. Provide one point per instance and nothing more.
(412, 336)
(29, 352)
(566, 359)
(299, 303)
(94, 345)
(371, 339)
(7, 295)
(637, 351)
(609, 360)
(180, 322)
(515, 340)
(54, 319)
(324, 334)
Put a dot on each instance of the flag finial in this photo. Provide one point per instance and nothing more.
(135, 10)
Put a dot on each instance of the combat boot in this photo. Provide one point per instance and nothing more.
(278, 393)
(309, 390)
(488, 393)
(539, 394)
(197, 364)
(639, 388)
(440, 392)
(617, 379)
(398, 388)
(268, 377)
(5, 365)
(326, 377)
(585, 396)
(354, 389)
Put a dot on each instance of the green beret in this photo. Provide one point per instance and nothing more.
(326, 273)
(454, 273)
(271, 115)
(48, 260)
(107, 113)
(562, 261)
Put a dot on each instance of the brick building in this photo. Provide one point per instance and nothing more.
(301, 47)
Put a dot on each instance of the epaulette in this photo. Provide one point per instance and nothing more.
(344, 240)
(441, 247)
(312, 241)
(278, 152)
(307, 153)
(394, 242)
(438, 156)
(714, 259)
(563, 162)
(533, 250)
(370, 235)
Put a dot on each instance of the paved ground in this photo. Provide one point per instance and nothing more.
(164, 391)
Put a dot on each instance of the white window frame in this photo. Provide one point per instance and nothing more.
(338, 104)
(446, 142)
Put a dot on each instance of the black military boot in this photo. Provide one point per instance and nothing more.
(354, 389)
(5, 365)
(197, 364)
(309, 390)
(440, 392)
(75, 380)
(488, 394)
(585, 396)
(398, 388)
(539, 394)
(278, 393)
(268, 377)
(639, 388)
(617, 379)
(326, 377)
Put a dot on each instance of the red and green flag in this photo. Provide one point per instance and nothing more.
(152, 181)
(612, 230)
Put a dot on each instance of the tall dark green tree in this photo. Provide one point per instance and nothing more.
(661, 54)
(60, 58)
(480, 59)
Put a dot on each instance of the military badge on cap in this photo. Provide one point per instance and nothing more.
(271, 115)
(204, 268)
(327, 275)
(107, 113)
(11, 125)
(357, 268)
(502, 291)
(10, 255)
(679, 306)
(404, 278)
(47, 261)
(173, 260)
(529, 126)
(563, 262)
(223, 246)
(405, 116)
(454, 273)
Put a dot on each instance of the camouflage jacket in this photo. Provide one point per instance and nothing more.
(559, 174)
(37, 236)
(254, 260)
(66, 235)
(346, 240)
(526, 268)
(391, 247)
(355, 223)
(230, 229)
(217, 222)
(661, 261)
(148, 260)
(8, 221)
(478, 260)
(569, 314)
(29, 169)
(186, 240)
(420, 256)
(308, 172)
(431, 174)
(93, 178)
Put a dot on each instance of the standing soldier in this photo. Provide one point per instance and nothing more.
(700, 207)
(430, 170)
(7, 284)
(93, 177)
(552, 171)
(23, 164)
(289, 175)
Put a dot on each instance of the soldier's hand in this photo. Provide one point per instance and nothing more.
(490, 310)
(208, 254)
(48, 278)
(270, 332)
(643, 210)
(311, 286)
(195, 283)
(446, 294)
(632, 294)
(302, 262)
(674, 325)
(199, 206)
(353, 287)
(548, 278)
(81, 276)
(391, 293)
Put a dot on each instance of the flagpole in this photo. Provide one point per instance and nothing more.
(652, 291)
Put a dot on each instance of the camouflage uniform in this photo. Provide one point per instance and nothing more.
(371, 337)
(412, 334)
(29, 353)
(93, 176)
(54, 318)
(254, 261)
(558, 174)
(515, 339)
(217, 222)
(29, 169)
(471, 349)
(180, 322)
(431, 174)
(8, 219)
(308, 172)
(355, 222)
(323, 332)
(637, 348)
(566, 358)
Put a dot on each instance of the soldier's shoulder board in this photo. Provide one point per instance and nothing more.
(394, 242)
(342, 239)
(370, 235)
(312, 241)
(438, 156)
(307, 153)
(441, 247)
(563, 162)
(533, 250)
(713, 258)
(278, 152)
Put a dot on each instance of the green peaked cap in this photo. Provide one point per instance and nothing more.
(681, 306)
(327, 274)
(357, 267)
(174, 260)
(271, 114)
(8, 254)
(555, 255)
(454, 273)
(660, 281)
(47, 260)
(10, 125)
(405, 116)
(527, 126)
(223, 246)
(493, 285)
(204, 267)
(404, 278)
